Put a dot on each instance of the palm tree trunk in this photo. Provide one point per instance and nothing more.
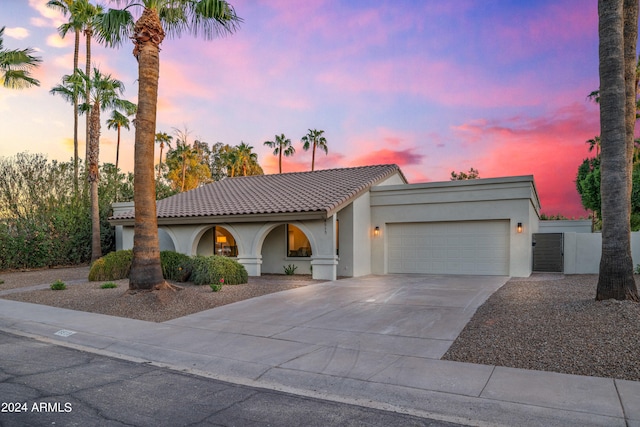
(75, 115)
(93, 178)
(88, 35)
(146, 272)
(615, 279)
(280, 159)
(160, 159)
(118, 149)
(313, 156)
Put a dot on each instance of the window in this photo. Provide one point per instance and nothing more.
(297, 243)
(224, 244)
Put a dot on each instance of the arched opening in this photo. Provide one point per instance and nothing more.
(297, 242)
(217, 241)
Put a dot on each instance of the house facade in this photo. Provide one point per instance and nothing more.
(351, 222)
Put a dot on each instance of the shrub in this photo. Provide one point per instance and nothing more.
(108, 285)
(290, 269)
(175, 266)
(58, 285)
(209, 270)
(113, 266)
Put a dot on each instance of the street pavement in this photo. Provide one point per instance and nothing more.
(42, 384)
(374, 342)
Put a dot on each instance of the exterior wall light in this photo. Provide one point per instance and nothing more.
(519, 228)
(376, 231)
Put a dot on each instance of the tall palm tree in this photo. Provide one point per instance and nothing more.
(618, 34)
(207, 18)
(281, 145)
(312, 140)
(16, 66)
(71, 8)
(162, 138)
(119, 120)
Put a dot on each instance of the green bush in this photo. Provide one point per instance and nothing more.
(108, 285)
(113, 266)
(209, 270)
(175, 266)
(58, 285)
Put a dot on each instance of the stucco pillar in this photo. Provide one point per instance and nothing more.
(252, 263)
(324, 267)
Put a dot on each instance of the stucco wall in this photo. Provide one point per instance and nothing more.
(582, 252)
(565, 226)
(513, 199)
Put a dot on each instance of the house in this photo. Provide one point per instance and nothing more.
(351, 222)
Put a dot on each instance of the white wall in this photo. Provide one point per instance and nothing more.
(565, 226)
(582, 252)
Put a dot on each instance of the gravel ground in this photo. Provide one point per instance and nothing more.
(156, 306)
(553, 323)
(544, 322)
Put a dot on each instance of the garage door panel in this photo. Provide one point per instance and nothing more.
(466, 247)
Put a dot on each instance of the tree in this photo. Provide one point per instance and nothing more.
(188, 165)
(281, 145)
(118, 121)
(16, 66)
(71, 8)
(208, 18)
(618, 34)
(245, 156)
(103, 94)
(461, 176)
(312, 140)
(162, 138)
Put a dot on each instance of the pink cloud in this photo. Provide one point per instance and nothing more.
(550, 148)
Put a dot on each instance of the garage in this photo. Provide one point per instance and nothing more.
(453, 247)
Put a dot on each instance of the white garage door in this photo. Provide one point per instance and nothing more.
(465, 247)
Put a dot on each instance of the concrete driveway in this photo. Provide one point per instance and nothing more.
(407, 315)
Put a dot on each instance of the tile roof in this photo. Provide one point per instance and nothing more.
(321, 191)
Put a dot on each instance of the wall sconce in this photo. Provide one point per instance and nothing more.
(519, 227)
(376, 231)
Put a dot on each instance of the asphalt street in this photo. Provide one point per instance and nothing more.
(43, 384)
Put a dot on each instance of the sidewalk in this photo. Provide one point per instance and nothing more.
(374, 341)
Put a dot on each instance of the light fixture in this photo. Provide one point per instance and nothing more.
(376, 231)
(519, 228)
(221, 239)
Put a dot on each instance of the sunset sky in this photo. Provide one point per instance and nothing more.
(431, 85)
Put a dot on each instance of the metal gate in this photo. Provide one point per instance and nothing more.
(548, 252)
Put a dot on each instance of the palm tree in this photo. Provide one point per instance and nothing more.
(208, 18)
(162, 138)
(245, 157)
(618, 34)
(594, 143)
(16, 66)
(69, 7)
(281, 145)
(118, 121)
(312, 140)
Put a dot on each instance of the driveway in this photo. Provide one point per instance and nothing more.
(405, 315)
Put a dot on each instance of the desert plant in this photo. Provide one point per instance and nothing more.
(209, 270)
(108, 285)
(113, 266)
(215, 287)
(58, 285)
(175, 266)
(290, 269)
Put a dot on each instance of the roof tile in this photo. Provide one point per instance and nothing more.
(319, 191)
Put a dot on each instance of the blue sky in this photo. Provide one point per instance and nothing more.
(431, 85)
